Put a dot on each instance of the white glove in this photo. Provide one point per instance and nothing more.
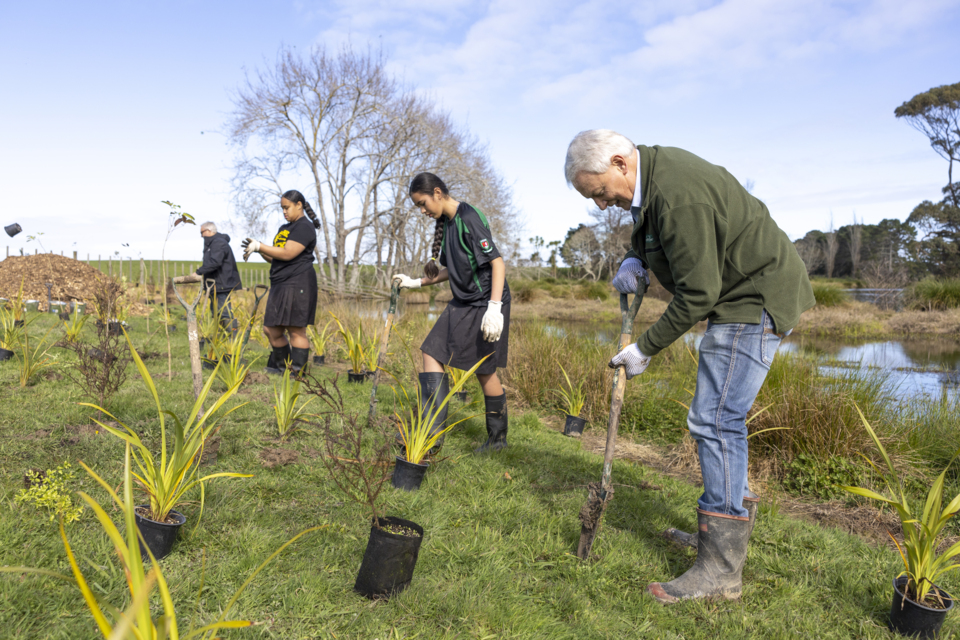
(632, 359)
(406, 282)
(250, 246)
(492, 325)
(626, 279)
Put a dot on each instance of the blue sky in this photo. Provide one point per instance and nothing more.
(103, 102)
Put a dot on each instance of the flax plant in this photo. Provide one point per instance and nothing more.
(232, 370)
(145, 580)
(923, 566)
(74, 326)
(33, 362)
(168, 478)
(319, 339)
(415, 416)
(286, 393)
(572, 397)
(353, 344)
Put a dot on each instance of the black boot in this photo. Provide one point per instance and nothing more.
(298, 359)
(717, 572)
(496, 407)
(277, 361)
(750, 502)
(434, 387)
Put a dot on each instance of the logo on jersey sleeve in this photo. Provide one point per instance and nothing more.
(280, 240)
(485, 246)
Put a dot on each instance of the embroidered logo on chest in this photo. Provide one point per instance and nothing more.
(650, 239)
(485, 246)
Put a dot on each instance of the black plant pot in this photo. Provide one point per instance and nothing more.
(97, 354)
(5, 354)
(462, 396)
(356, 377)
(389, 560)
(65, 317)
(408, 475)
(319, 359)
(18, 323)
(909, 618)
(203, 343)
(171, 328)
(114, 329)
(370, 374)
(206, 363)
(573, 427)
(158, 535)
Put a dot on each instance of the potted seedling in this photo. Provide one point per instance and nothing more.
(353, 345)
(10, 333)
(456, 375)
(415, 417)
(165, 318)
(167, 477)
(357, 455)
(73, 326)
(143, 576)
(286, 393)
(319, 340)
(33, 361)
(18, 306)
(919, 605)
(572, 399)
(233, 368)
(371, 355)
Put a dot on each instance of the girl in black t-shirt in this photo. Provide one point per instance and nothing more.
(292, 304)
(476, 323)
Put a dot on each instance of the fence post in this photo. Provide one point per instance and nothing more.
(74, 255)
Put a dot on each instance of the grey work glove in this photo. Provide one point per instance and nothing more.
(626, 279)
(632, 359)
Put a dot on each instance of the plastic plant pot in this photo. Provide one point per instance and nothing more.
(909, 618)
(208, 363)
(171, 327)
(408, 475)
(5, 354)
(32, 305)
(159, 536)
(58, 307)
(13, 229)
(356, 377)
(114, 328)
(389, 559)
(370, 374)
(462, 396)
(319, 359)
(18, 323)
(573, 427)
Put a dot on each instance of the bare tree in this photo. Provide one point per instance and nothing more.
(830, 246)
(856, 243)
(811, 253)
(613, 227)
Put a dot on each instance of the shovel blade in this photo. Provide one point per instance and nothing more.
(591, 514)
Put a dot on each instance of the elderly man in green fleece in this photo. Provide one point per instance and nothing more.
(717, 250)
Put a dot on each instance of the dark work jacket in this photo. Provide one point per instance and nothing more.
(219, 264)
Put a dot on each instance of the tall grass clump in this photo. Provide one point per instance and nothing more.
(813, 414)
(929, 427)
(934, 294)
(828, 295)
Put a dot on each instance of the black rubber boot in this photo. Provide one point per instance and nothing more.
(496, 407)
(277, 361)
(717, 572)
(298, 359)
(750, 502)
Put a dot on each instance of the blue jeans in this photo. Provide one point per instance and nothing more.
(734, 361)
(222, 304)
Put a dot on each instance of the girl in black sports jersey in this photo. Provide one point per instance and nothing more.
(292, 303)
(476, 323)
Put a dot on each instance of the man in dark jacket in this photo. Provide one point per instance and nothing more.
(220, 266)
(717, 250)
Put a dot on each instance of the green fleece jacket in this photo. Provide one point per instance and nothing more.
(714, 247)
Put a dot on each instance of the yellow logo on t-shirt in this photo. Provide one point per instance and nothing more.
(281, 238)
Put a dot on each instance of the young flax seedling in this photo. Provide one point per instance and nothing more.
(353, 345)
(232, 370)
(319, 339)
(286, 393)
(33, 362)
(571, 396)
(73, 327)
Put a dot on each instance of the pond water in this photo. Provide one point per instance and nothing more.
(914, 367)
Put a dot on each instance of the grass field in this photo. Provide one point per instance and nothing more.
(497, 559)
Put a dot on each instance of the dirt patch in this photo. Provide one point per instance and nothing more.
(88, 430)
(38, 435)
(272, 458)
(255, 377)
(72, 279)
(211, 450)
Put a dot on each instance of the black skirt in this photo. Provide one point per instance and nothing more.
(457, 340)
(293, 303)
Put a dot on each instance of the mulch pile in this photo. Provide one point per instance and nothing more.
(72, 280)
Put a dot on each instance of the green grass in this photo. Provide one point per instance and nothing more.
(497, 560)
(934, 294)
(828, 295)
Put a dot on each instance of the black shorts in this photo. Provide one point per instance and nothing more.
(457, 339)
(292, 303)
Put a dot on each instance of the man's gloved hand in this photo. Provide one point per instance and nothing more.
(632, 359)
(250, 246)
(406, 282)
(492, 325)
(626, 279)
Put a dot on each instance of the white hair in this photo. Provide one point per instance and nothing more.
(208, 226)
(592, 150)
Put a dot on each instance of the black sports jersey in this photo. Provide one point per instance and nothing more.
(302, 231)
(467, 252)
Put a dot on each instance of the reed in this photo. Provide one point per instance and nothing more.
(934, 294)
(828, 295)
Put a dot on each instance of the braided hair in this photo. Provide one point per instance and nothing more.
(427, 183)
(296, 197)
